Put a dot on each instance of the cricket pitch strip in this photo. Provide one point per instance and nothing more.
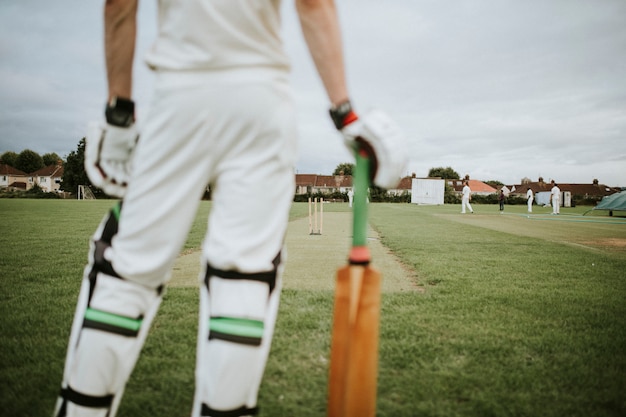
(312, 260)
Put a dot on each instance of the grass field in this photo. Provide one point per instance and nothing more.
(516, 316)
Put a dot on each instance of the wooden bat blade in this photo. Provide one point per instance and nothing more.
(354, 344)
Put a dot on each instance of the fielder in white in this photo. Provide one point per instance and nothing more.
(222, 113)
(465, 199)
(555, 195)
(529, 199)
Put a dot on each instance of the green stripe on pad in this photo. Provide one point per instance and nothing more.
(113, 319)
(237, 327)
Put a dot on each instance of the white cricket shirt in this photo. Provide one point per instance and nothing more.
(218, 35)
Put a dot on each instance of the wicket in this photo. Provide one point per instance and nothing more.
(313, 215)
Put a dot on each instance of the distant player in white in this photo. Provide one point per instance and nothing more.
(555, 195)
(223, 114)
(530, 197)
(467, 196)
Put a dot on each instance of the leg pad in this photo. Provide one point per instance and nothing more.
(237, 318)
(111, 324)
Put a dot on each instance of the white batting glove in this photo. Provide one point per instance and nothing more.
(108, 156)
(380, 137)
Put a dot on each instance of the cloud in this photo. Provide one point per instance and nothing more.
(497, 90)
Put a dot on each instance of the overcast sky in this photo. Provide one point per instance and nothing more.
(495, 89)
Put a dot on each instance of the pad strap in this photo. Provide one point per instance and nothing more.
(86, 400)
(104, 242)
(268, 277)
(238, 412)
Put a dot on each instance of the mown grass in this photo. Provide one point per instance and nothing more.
(510, 326)
(518, 317)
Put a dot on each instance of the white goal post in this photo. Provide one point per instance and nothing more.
(85, 193)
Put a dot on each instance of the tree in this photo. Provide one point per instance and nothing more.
(50, 159)
(494, 183)
(344, 168)
(74, 169)
(9, 158)
(29, 161)
(377, 194)
(449, 195)
(445, 173)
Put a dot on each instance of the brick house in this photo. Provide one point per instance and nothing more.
(12, 179)
(48, 178)
(323, 184)
(593, 192)
(326, 184)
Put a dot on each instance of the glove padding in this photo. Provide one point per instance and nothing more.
(108, 156)
(383, 141)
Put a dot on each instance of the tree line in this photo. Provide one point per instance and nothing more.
(74, 175)
(28, 160)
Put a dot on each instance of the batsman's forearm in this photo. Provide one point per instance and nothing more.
(320, 27)
(120, 28)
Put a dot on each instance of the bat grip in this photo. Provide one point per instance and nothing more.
(360, 253)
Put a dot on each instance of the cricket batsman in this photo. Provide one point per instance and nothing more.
(222, 113)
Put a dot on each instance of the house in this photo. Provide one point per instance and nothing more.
(576, 192)
(48, 178)
(323, 184)
(327, 184)
(477, 187)
(305, 183)
(12, 178)
(404, 186)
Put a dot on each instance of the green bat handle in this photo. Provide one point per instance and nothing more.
(359, 253)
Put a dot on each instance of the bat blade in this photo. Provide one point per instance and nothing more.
(354, 345)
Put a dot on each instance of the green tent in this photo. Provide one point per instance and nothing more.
(613, 202)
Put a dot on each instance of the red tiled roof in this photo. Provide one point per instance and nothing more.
(49, 171)
(305, 179)
(406, 183)
(314, 180)
(340, 181)
(475, 185)
(9, 170)
(333, 181)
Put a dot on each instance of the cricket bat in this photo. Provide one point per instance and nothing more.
(354, 344)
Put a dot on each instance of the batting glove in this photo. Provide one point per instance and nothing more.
(109, 149)
(379, 136)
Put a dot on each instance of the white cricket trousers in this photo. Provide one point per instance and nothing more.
(234, 131)
(465, 203)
